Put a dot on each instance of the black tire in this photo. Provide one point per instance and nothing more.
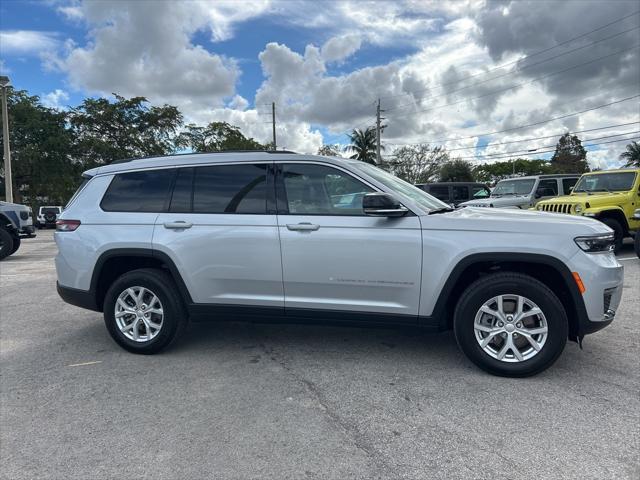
(6, 244)
(636, 243)
(491, 286)
(16, 245)
(618, 232)
(163, 286)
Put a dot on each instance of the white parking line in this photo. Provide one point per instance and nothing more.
(628, 258)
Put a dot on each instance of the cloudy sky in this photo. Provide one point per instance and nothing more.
(477, 76)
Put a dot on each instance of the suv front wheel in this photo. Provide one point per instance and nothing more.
(510, 324)
(142, 311)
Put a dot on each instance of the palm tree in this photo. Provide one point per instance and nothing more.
(632, 155)
(363, 144)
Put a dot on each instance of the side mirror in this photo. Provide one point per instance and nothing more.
(382, 205)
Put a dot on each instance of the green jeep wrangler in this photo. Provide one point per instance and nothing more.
(611, 196)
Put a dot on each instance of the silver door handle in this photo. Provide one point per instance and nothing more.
(178, 224)
(302, 227)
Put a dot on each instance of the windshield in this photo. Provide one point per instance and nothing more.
(394, 183)
(513, 187)
(45, 210)
(606, 182)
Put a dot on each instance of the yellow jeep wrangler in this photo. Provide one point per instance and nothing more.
(611, 196)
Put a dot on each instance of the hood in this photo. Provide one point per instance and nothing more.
(505, 201)
(514, 220)
(595, 200)
(13, 206)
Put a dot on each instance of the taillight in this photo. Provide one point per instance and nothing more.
(67, 225)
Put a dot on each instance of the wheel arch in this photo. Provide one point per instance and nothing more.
(545, 268)
(615, 214)
(116, 262)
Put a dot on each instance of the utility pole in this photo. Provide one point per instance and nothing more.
(378, 159)
(273, 122)
(8, 183)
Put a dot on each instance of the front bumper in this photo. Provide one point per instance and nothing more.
(603, 278)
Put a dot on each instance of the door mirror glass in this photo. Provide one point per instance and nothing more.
(380, 204)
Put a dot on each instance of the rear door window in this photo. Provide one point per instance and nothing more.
(567, 184)
(240, 188)
(441, 192)
(548, 188)
(460, 193)
(145, 191)
(182, 197)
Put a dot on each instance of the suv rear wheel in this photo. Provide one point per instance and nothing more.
(143, 312)
(511, 325)
(6, 244)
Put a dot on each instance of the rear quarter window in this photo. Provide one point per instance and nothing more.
(145, 191)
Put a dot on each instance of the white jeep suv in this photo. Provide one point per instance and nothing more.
(278, 236)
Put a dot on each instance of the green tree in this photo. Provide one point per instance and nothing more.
(41, 147)
(570, 156)
(106, 130)
(363, 144)
(418, 163)
(493, 172)
(456, 171)
(216, 137)
(329, 150)
(631, 155)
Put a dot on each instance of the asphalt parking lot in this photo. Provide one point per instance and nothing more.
(244, 401)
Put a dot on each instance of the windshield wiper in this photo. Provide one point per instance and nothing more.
(441, 210)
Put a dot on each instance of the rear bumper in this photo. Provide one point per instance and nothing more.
(79, 298)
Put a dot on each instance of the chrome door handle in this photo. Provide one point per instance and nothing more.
(178, 225)
(303, 227)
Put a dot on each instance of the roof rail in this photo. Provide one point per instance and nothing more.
(125, 160)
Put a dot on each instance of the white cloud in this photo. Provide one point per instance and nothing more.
(136, 50)
(55, 99)
(71, 12)
(339, 48)
(26, 41)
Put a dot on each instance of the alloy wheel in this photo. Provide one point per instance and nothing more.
(511, 328)
(139, 314)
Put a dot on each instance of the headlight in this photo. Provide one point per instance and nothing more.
(540, 207)
(596, 243)
(579, 208)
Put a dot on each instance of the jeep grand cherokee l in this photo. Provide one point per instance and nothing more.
(279, 236)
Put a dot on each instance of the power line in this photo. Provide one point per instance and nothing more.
(552, 119)
(519, 69)
(523, 58)
(535, 138)
(520, 84)
(528, 154)
(508, 156)
(514, 152)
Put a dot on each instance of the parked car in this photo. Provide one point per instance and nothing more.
(454, 193)
(610, 196)
(526, 192)
(16, 223)
(47, 216)
(155, 242)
